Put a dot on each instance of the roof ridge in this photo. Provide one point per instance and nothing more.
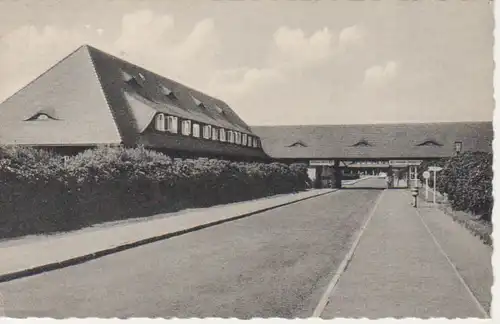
(103, 92)
(378, 124)
(45, 72)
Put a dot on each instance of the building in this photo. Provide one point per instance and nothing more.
(336, 148)
(91, 98)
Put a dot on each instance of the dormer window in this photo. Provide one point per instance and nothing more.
(198, 102)
(362, 143)
(41, 116)
(172, 124)
(186, 127)
(429, 143)
(167, 92)
(133, 80)
(127, 77)
(298, 144)
(196, 130)
(244, 139)
(219, 109)
(215, 134)
(222, 134)
(207, 131)
(160, 122)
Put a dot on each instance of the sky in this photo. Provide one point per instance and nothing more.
(278, 62)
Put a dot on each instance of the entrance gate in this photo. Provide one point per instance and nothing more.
(331, 173)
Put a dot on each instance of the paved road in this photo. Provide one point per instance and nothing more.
(274, 264)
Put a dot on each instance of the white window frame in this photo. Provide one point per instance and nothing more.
(186, 127)
(230, 136)
(196, 130)
(244, 139)
(237, 137)
(250, 141)
(172, 124)
(215, 134)
(160, 122)
(222, 134)
(255, 142)
(207, 132)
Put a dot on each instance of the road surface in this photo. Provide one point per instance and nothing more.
(273, 264)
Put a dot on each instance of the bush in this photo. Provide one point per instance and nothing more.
(42, 192)
(467, 181)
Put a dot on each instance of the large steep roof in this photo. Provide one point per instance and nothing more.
(91, 97)
(397, 141)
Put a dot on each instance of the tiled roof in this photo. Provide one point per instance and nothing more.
(374, 141)
(92, 97)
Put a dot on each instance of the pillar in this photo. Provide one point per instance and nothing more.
(338, 174)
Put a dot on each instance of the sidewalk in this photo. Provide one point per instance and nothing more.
(35, 254)
(398, 269)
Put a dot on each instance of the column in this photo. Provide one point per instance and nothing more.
(338, 174)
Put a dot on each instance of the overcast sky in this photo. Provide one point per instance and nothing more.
(278, 61)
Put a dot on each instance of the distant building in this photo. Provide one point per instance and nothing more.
(371, 148)
(91, 98)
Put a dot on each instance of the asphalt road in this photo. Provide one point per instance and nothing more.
(273, 264)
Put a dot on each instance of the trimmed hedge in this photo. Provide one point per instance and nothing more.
(42, 192)
(466, 179)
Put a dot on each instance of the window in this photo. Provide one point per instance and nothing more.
(167, 92)
(127, 77)
(429, 143)
(230, 135)
(160, 122)
(215, 134)
(362, 143)
(207, 131)
(255, 143)
(142, 77)
(222, 134)
(250, 141)
(186, 127)
(219, 109)
(244, 139)
(237, 137)
(196, 130)
(196, 101)
(172, 124)
(298, 144)
(458, 147)
(41, 116)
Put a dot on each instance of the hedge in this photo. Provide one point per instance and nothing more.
(40, 192)
(466, 179)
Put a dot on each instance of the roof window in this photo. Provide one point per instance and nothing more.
(429, 143)
(362, 143)
(298, 144)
